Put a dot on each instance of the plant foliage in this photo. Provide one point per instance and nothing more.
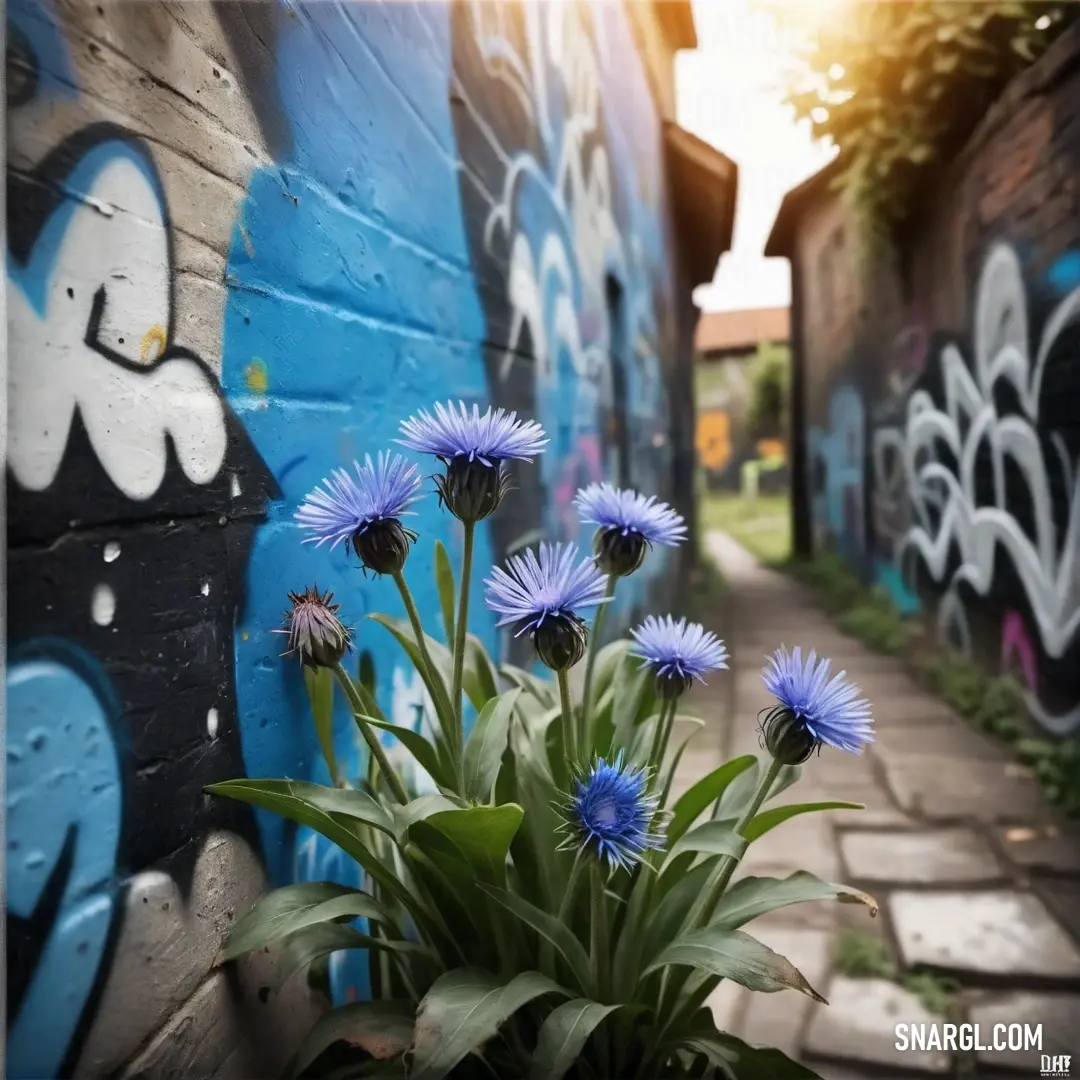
(899, 88)
(496, 947)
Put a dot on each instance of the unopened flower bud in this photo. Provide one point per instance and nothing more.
(619, 552)
(561, 641)
(472, 490)
(383, 546)
(672, 687)
(314, 631)
(787, 737)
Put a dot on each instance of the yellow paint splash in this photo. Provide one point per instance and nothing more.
(257, 377)
(152, 345)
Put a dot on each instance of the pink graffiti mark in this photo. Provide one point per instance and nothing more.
(580, 467)
(1015, 643)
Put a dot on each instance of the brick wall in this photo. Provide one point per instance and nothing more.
(245, 240)
(944, 417)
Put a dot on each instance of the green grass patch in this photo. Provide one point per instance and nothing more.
(863, 956)
(761, 525)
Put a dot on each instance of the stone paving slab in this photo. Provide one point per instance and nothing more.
(949, 789)
(1058, 1015)
(933, 857)
(948, 737)
(1062, 897)
(860, 1025)
(1053, 848)
(994, 932)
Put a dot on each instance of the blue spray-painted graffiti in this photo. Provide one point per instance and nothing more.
(63, 814)
(358, 303)
(560, 191)
(414, 239)
(836, 455)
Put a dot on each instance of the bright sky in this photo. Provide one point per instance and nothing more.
(730, 94)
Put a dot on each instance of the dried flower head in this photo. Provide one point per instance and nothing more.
(314, 631)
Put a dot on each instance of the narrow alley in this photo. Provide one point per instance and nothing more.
(975, 881)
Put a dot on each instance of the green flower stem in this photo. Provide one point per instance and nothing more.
(433, 678)
(672, 985)
(569, 736)
(599, 951)
(664, 724)
(461, 633)
(715, 890)
(356, 704)
(590, 659)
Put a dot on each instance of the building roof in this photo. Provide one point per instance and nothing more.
(792, 208)
(704, 184)
(677, 19)
(727, 331)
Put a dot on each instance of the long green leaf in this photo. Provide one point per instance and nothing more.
(731, 954)
(320, 689)
(487, 743)
(322, 939)
(750, 897)
(436, 680)
(558, 933)
(427, 757)
(769, 819)
(295, 907)
(382, 1029)
(462, 1011)
(336, 825)
(632, 695)
(482, 834)
(563, 1036)
(740, 1061)
(444, 582)
(706, 791)
(418, 810)
(712, 838)
(544, 692)
(609, 661)
(345, 802)
(666, 920)
(476, 656)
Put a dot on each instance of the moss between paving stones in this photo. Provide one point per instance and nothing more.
(860, 955)
(992, 703)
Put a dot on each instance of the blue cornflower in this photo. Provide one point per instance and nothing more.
(678, 652)
(364, 511)
(613, 816)
(543, 596)
(473, 448)
(628, 524)
(812, 708)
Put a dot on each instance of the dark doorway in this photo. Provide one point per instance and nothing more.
(618, 431)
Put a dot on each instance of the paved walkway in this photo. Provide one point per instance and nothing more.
(975, 879)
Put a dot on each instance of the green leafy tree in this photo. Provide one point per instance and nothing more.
(899, 87)
(770, 389)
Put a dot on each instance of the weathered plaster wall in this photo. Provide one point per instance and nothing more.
(244, 241)
(944, 413)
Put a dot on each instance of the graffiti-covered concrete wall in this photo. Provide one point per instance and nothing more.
(244, 241)
(943, 393)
